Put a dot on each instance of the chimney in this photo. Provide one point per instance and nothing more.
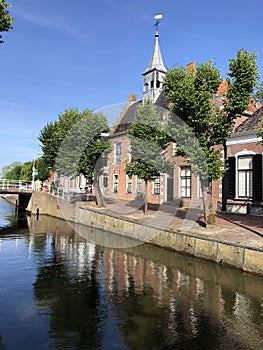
(190, 66)
(132, 98)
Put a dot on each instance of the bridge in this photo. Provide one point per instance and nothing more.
(21, 189)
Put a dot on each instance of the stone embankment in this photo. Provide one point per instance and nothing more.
(207, 243)
(10, 198)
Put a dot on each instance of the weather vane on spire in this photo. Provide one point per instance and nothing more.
(158, 20)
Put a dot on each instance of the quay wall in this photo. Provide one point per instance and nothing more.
(246, 258)
(10, 198)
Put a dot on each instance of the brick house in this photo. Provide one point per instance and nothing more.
(245, 180)
(181, 186)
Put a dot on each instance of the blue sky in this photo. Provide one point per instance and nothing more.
(91, 54)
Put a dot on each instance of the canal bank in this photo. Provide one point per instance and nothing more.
(223, 244)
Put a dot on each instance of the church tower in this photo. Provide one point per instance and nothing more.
(155, 73)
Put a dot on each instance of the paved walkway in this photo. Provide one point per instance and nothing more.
(242, 229)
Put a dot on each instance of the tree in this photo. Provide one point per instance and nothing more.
(43, 170)
(53, 134)
(75, 145)
(40, 165)
(148, 142)
(15, 173)
(5, 19)
(192, 95)
(7, 168)
(26, 171)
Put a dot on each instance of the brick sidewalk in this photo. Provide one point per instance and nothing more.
(253, 223)
(235, 228)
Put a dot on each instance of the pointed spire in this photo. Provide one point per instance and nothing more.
(156, 71)
(156, 61)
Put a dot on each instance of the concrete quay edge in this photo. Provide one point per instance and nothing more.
(247, 258)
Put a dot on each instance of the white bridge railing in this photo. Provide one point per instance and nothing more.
(19, 184)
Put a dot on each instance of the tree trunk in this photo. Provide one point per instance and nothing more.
(209, 214)
(99, 197)
(145, 206)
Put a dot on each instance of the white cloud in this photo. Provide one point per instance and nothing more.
(49, 22)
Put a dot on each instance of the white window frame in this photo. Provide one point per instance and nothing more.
(156, 190)
(129, 183)
(199, 188)
(185, 178)
(139, 184)
(238, 155)
(115, 183)
(117, 152)
(174, 148)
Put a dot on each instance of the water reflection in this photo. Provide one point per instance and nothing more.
(139, 298)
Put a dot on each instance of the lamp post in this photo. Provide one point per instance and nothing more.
(34, 171)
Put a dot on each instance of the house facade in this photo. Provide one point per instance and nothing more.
(181, 186)
(245, 154)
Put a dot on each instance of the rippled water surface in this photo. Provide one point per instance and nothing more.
(58, 290)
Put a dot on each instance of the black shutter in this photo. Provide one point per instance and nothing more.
(257, 177)
(231, 177)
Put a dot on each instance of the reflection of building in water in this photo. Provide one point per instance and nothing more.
(78, 254)
(185, 297)
(175, 294)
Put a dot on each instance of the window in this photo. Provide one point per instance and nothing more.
(245, 176)
(185, 177)
(129, 184)
(115, 183)
(199, 188)
(156, 186)
(105, 180)
(118, 147)
(139, 186)
(174, 148)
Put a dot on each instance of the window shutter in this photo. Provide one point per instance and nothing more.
(257, 177)
(231, 177)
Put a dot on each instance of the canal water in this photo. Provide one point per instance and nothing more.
(58, 290)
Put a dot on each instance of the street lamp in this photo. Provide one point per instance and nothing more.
(34, 171)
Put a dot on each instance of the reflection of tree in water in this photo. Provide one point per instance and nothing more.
(170, 317)
(71, 303)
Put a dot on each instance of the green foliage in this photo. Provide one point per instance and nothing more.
(26, 171)
(243, 76)
(53, 134)
(23, 171)
(15, 173)
(5, 19)
(74, 144)
(43, 170)
(192, 96)
(193, 99)
(148, 141)
(193, 124)
(7, 168)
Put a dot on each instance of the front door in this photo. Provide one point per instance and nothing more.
(170, 188)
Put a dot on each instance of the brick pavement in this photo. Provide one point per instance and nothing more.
(241, 229)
